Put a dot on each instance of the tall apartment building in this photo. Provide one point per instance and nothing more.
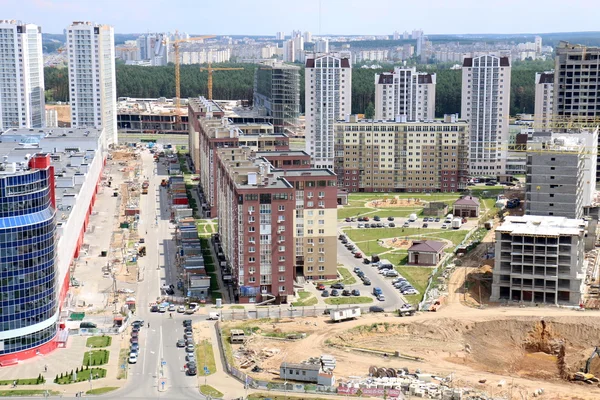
(391, 156)
(540, 260)
(405, 92)
(576, 94)
(561, 173)
(486, 105)
(328, 98)
(93, 92)
(154, 48)
(277, 94)
(544, 99)
(21, 76)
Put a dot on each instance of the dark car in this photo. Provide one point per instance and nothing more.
(355, 292)
(337, 286)
(349, 246)
(376, 309)
(390, 218)
(88, 325)
(425, 225)
(135, 334)
(367, 281)
(135, 347)
(334, 293)
(139, 323)
(134, 340)
(325, 293)
(392, 225)
(376, 218)
(346, 293)
(375, 258)
(437, 219)
(360, 219)
(192, 370)
(344, 241)
(154, 308)
(342, 237)
(187, 322)
(188, 329)
(367, 225)
(348, 220)
(135, 328)
(181, 343)
(366, 261)
(490, 183)
(358, 254)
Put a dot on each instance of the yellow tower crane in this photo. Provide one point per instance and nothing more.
(176, 43)
(210, 70)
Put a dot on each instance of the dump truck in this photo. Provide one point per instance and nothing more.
(344, 314)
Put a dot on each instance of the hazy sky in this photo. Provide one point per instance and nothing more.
(265, 17)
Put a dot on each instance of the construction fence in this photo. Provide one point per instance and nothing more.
(282, 312)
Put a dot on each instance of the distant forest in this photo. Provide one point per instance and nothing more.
(149, 82)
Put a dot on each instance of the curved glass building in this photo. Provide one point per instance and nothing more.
(28, 274)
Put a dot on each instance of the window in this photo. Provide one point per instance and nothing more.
(281, 208)
(281, 248)
(251, 259)
(282, 268)
(282, 288)
(281, 258)
(282, 278)
(252, 249)
(321, 268)
(251, 229)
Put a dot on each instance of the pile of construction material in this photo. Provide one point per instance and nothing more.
(327, 362)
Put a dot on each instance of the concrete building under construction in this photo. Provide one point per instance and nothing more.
(135, 115)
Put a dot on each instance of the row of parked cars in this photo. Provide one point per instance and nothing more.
(134, 341)
(353, 249)
(337, 289)
(191, 368)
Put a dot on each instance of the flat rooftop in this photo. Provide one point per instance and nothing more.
(309, 172)
(160, 106)
(233, 108)
(282, 153)
(535, 225)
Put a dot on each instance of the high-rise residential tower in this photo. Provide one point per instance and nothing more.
(485, 104)
(93, 92)
(277, 93)
(544, 99)
(21, 76)
(405, 92)
(328, 98)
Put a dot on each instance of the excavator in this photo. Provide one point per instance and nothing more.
(585, 375)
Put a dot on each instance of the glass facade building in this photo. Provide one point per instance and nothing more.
(28, 273)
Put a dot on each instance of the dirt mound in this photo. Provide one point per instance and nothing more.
(395, 202)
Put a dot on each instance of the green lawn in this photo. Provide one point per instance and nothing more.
(27, 393)
(490, 203)
(27, 381)
(347, 277)
(455, 236)
(82, 376)
(97, 357)
(102, 390)
(237, 307)
(348, 300)
(210, 391)
(417, 276)
(348, 212)
(98, 341)
(399, 257)
(206, 356)
(423, 196)
(306, 299)
(360, 235)
(123, 356)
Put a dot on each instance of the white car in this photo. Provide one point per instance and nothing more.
(391, 273)
(181, 309)
(381, 297)
(360, 225)
(444, 226)
(172, 307)
(133, 358)
(162, 309)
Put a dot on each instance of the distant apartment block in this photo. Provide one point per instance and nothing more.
(92, 78)
(154, 48)
(486, 105)
(391, 156)
(22, 103)
(540, 260)
(560, 173)
(405, 93)
(277, 94)
(328, 98)
(544, 99)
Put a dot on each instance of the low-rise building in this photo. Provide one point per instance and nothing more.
(151, 115)
(394, 156)
(306, 373)
(426, 252)
(466, 207)
(540, 259)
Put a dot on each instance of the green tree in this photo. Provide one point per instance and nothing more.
(370, 111)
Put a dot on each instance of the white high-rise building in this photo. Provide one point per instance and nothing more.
(328, 98)
(322, 46)
(280, 35)
(538, 45)
(289, 51)
(22, 103)
(405, 94)
(93, 92)
(485, 104)
(154, 48)
(544, 99)
(307, 37)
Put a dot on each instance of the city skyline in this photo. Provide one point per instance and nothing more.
(136, 16)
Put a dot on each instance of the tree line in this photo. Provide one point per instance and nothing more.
(152, 82)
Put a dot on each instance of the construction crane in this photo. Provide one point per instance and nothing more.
(176, 43)
(210, 70)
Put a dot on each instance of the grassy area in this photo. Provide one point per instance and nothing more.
(361, 235)
(455, 236)
(206, 356)
(417, 276)
(305, 299)
(27, 393)
(489, 203)
(102, 390)
(95, 357)
(82, 376)
(422, 196)
(348, 300)
(349, 212)
(346, 277)
(98, 341)
(210, 391)
(237, 307)
(397, 258)
(27, 381)
(123, 357)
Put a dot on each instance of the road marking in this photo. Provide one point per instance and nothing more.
(145, 349)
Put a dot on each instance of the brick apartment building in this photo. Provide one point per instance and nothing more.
(395, 156)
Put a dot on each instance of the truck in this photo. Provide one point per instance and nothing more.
(213, 316)
(344, 314)
(456, 223)
(412, 217)
(449, 218)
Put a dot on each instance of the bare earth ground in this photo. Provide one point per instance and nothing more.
(395, 202)
(64, 113)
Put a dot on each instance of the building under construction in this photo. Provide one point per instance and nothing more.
(151, 116)
(277, 94)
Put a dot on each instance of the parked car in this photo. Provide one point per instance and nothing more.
(320, 286)
(342, 237)
(190, 357)
(133, 357)
(325, 293)
(192, 370)
(162, 309)
(349, 246)
(352, 219)
(334, 293)
(344, 241)
(134, 340)
(355, 292)
(405, 225)
(366, 281)
(356, 269)
(172, 307)
(392, 225)
(346, 292)
(444, 226)
(187, 322)
(366, 261)
(88, 325)
(360, 225)
(380, 224)
(390, 218)
(376, 218)
(181, 343)
(391, 273)
(358, 254)
(361, 219)
(425, 225)
(376, 309)
(381, 297)
(188, 335)
(348, 220)
(337, 286)
(366, 219)
(138, 323)
(181, 309)
(190, 348)
(135, 333)
(135, 347)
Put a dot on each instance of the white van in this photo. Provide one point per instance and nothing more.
(412, 217)
(449, 218)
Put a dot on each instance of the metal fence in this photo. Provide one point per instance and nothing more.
(282, 312)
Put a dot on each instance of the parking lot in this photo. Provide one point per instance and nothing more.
(375, 222)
